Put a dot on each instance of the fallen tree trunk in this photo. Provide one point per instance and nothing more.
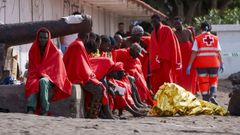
(22, 33)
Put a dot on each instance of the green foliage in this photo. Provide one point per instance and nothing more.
(232, 16)
(228, 16)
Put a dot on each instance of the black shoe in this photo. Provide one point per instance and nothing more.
(4, 110)
(45, 114)
(213, 100)
(30, 110)
(107, 112)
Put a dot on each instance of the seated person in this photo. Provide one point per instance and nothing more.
(133, 67)
(80, 72)
(46, 72)
(120, 90)
(116, 101)
(118, 38)
(105, 47)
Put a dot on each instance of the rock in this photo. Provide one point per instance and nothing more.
(235, 78)
(234, 106)
(163, 121)
(136, 131)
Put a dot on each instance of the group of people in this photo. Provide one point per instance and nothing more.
(122, 73)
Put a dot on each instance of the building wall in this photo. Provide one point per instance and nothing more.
(229, 39)
(17, 11)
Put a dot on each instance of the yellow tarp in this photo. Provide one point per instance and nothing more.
(172, 99)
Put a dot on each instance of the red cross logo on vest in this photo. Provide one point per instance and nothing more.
(208, 40)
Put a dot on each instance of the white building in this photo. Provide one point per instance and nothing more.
(229, 39)
(106, 14)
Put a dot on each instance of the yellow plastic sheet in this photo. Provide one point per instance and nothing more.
(172, 99)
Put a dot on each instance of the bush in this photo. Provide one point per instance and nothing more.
(228, 16)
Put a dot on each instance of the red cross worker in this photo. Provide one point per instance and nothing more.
(207, 60)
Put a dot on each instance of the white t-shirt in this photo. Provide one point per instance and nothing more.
(67, 40)
(195, 46)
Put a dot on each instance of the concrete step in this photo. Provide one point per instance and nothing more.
(12, 97)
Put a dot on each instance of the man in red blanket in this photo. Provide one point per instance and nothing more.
(185, 39)
(121, 95)
(165, 55)
(46, 71)
(80, 72)
(137, 37)
(133, 67)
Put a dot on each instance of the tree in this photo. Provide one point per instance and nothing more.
(188, 9)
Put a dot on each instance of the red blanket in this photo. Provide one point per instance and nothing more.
(165, 57)
(187, 81)
(165, 47)
(78, 67)
(101, 66)
(145, 59)
(120, 102)
(50, 66)
(134, 68)
(77, 63)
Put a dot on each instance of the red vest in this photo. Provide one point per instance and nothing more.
(208, 52)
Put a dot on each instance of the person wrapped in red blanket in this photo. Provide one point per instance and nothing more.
(165, 54)
(80, 72)
(132, 66)
(46, 72)
(185, 39)
(117, 100)
(122, 93)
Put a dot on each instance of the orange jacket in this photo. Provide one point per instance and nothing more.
(208, 51)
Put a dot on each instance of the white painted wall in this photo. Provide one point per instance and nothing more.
(17, 11)
(229, 38)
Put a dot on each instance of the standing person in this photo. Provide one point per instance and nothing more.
(185, 39)
(206, 58)
(165, 55)
(80, 72)
(129, 32)
(46, 72)
(25, 74)
(11, 63)
(136, 35)
(121, 30)
(68, 39)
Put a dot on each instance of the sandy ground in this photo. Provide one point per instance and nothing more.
(23, 124)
